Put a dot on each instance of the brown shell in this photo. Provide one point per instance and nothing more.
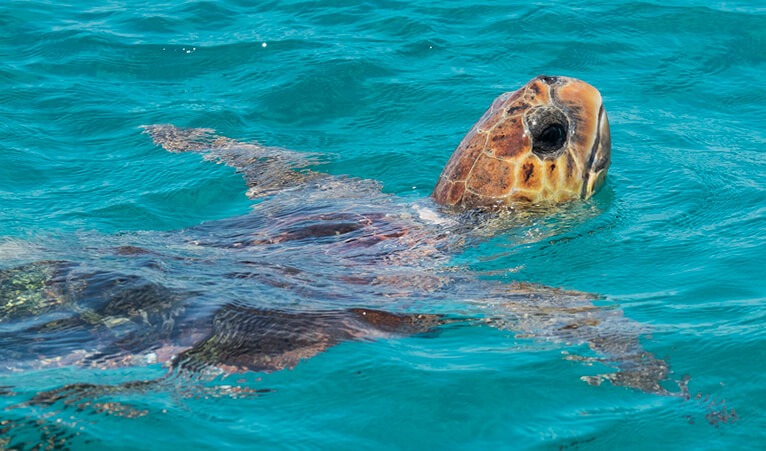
(495, 164)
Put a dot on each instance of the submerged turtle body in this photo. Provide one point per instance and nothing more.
(24, 290)
(339, 251)
(512, 155)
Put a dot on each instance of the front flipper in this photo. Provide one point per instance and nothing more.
(266, 169)
(571, 317)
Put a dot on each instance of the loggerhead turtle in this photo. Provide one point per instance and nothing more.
(547, 142)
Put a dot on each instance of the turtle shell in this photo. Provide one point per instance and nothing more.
(548, 141)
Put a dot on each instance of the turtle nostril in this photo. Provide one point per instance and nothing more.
(548, 79)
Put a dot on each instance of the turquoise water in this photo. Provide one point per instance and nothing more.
(672, 248)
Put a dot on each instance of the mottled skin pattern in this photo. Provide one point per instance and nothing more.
(501, 162)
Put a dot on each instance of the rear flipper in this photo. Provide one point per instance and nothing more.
(266, 169)
(114, 319)
(242, 339)
(247, 339)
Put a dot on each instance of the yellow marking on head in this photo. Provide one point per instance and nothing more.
(547, 142)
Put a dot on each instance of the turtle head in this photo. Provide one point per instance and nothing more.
(547, 142)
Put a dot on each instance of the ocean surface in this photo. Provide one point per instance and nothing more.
(118, 258)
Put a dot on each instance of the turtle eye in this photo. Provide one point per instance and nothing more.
(552, 137)
(549, 129)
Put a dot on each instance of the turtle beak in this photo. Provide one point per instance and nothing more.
(600, 158)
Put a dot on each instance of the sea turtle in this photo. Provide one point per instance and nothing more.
(548, 141)
(323, 259)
